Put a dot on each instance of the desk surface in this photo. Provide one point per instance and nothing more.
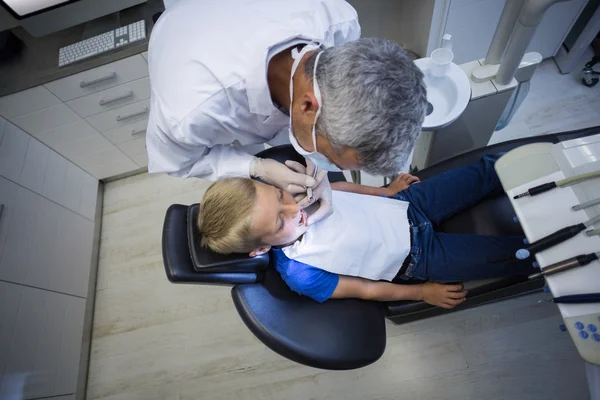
(546, 213)
(38, 62)
(541, 215)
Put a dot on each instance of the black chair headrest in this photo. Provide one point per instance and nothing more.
(205, 260)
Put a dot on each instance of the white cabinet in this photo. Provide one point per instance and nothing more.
(101, 78)
(83, 117)
(40, 339)
(12, 152)
(45, 119)
(27, 101)
(109, 99)
(47, 226)
(106, 163)
(136, 150)
(121, 116)
(127, 132)
(8, 197)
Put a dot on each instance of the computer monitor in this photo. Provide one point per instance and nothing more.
(27, 8)
(42, 17)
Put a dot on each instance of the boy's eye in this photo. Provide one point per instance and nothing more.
(280, 195)
(282, 224)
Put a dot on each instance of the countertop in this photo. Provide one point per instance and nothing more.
(38, 62)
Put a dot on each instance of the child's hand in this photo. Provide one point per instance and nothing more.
(401, 182)
(443, 295)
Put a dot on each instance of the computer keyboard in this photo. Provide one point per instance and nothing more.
(102, 43)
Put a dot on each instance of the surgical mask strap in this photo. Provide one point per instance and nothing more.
(318, 97)
(297, 56)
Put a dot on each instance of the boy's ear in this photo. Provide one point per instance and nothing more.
(259, 251)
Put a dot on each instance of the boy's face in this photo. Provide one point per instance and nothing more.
(277, 219)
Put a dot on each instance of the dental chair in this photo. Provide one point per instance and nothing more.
(338, 334)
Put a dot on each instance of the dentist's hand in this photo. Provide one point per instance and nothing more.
(321, 191)
(277, 174)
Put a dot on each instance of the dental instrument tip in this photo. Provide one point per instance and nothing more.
(521, 195)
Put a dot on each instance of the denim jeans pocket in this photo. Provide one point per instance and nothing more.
(414, 254)
(416, 269)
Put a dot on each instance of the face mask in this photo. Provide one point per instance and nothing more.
(317, 158)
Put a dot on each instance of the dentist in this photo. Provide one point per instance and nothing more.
(228, 76)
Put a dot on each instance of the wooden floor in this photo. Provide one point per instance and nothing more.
(156, 340)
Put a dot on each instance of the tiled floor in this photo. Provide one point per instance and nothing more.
(555, 103)
(156, 340)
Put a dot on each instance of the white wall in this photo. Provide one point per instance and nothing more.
(407, 22)
(472, 24)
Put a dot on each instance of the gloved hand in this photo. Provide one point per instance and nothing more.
(321, 191)
(277, 174)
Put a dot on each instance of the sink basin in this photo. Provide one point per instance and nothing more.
(447, 96)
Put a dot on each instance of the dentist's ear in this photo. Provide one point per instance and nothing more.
(309, 104)
(259, 251)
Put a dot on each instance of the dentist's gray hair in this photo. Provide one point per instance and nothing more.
(374, 101)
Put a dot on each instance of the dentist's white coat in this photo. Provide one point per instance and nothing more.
(210, 103)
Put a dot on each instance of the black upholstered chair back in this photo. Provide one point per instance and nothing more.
(187, 261)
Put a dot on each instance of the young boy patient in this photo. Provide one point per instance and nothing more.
(373, 236)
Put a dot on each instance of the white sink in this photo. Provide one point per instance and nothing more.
(447, 96)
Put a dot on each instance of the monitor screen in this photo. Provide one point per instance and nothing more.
(26, 8)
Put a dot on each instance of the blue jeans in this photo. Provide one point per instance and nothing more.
(446, 257)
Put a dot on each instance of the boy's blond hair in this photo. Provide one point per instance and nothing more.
(225, 216)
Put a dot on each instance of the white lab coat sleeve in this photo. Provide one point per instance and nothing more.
(347, 30)
(195, 150)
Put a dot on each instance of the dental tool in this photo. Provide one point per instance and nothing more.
(555, 238)
(309, 192)
(561, 183)
(565, 265)
(585, 205)
(575, 299)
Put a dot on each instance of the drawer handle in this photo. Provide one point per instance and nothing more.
(118, 97)
(133, 114)
(1, 211)
(136, 132)
(110, 75)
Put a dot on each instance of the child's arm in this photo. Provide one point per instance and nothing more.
(401, 182)
(437, 294)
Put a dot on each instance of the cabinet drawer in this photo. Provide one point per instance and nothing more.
(67, 133)
(134, 147)
(140, 159)
(101, 78)
(46, 119)
(106, 163)
(27, 101)
(110, 99)
(8, 197)
(121, 116)
(136, 150)
(127, 133)
(82, 147)
(42, 334)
